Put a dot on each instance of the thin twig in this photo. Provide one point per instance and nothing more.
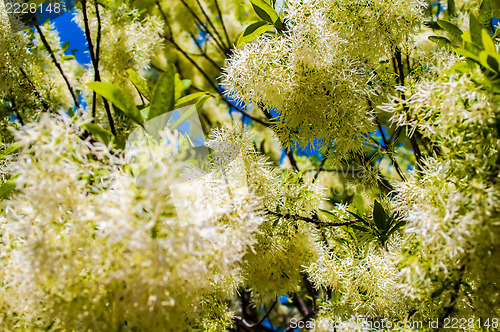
(225, 48)
(391, 156)
(288, 152)
(58, 65)
(321, 165)
(202, 51)
(261, 320)
(95, 63)
(315, 220)
(222, 23)
(191, 11)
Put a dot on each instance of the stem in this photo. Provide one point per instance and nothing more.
(94, 56)
(391, 156)
(18, 115)
(202, 51)
(222, 23)
(224, 48)
(289, 153)
(219, 46)
(320, 167)
(315, 220)
(58, 65)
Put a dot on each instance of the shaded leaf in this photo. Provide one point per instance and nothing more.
(452, 8)
(379, 216)
(475, 28)
(485, 14)
(451, 28)
(441, 41)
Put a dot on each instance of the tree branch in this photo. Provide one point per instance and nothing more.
(314, 220)
(58, 65)
(94, 56)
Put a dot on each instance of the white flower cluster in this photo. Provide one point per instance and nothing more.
(452, 203)
(83, 247)
(317, 73)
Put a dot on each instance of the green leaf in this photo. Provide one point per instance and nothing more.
(475, 28)
(253, 31)
(359, 203)
(357, 216)
(189, 99)
(163, 100)
(360, 228)
(140, 83)
(266, 12)
(488, 61)
(68, 57)
(452, 8)
(451, 28)
(180, 86)
(441, 41)
(379, 216)
(119, 98)
(329, 215)
(103, 135)
(488, 43)
(485, 14)
(9, 150)
(65, 47)
(7, 187)
(201, 101)
(396, 227)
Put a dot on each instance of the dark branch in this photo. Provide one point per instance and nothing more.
(94, 56)
(56, 62)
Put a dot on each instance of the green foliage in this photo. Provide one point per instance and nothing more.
(362, 180)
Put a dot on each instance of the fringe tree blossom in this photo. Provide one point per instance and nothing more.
(83, 247)
(316, 74)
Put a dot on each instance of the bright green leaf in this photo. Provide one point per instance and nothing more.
(9, 150)
(253, 31)
(266, 12)
(488, 43)
(68, 57)
(180, 86)
(65, 47)
(7, 187)
(119, 98)
(163, 100)
(98, 132)
(140, 83)
(189, 99)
